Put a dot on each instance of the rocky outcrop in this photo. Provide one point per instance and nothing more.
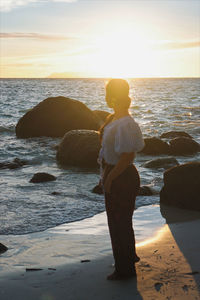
(42, 177)
(101, 114)
(155, 146)
(174, 134)
(166, 162)
(182, 186)
(183, 146)
(3, 248)
(79, 148)
(54, 117)
(15, 164)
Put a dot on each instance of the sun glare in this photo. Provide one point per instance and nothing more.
(123, 55)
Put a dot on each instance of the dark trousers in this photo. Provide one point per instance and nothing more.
(120, 204)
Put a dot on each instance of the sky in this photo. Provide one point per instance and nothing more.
(112, 38)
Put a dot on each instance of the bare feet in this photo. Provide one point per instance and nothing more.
(116, 276)
(137, 258)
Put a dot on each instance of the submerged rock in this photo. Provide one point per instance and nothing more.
(145, 191)
(98, 189)
(155, 146)
(79, 148)
(15, 164)
(42, 177)
(56, 193)
(165, 163)
(183, 146)
(174, 134)
(3, 248)
(182, 186)
(55, 116)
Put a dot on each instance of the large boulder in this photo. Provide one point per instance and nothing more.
(55, 116)
(182, 186)
(101, 114)
(183, 146)
(155, 146)
(174, 134)
(79, 148)
(165, 162)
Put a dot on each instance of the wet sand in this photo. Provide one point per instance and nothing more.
(71, 261)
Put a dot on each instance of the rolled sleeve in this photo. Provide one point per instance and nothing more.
(128, 138)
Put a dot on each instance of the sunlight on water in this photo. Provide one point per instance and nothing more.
(159, 105)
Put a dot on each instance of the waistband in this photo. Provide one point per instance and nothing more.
(105, 164)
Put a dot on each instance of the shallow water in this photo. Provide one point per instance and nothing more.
(159, 105)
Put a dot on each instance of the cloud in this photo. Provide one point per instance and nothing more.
(8, 5)
(33, 35)
(24, 65)
(173, 45)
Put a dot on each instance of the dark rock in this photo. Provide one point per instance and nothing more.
(174, 134)
(15, 164)
(155, 146)
(79, 148)
(33, 269)
(97, 189)
(165, 163)
(9, 165)
(55, 116)
(145, 191)
(101, 114)
(85, 260)
(42, 177)
(3, 248)
(183, 146)
(55, 193)
(158, 286)
(182, 186)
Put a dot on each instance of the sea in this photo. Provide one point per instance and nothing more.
(158, 105)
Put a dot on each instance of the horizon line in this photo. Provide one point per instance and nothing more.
(164, 77)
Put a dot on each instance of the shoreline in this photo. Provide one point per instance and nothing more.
(30, 247)
(169, 267)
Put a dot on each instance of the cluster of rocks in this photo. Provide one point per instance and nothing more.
(179, 145)
(78, 126)
(15, 164)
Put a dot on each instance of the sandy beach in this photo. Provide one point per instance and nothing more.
(71, 261)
